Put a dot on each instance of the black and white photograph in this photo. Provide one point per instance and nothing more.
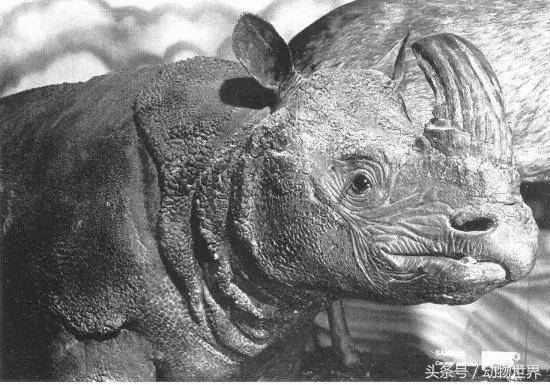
(275, 190)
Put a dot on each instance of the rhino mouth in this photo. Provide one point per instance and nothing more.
(455, 264)
(462, 278)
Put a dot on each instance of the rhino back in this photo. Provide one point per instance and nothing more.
(514, 35)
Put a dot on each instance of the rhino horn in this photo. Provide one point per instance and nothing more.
(469, 112)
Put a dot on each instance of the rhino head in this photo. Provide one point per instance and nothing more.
(339, 192)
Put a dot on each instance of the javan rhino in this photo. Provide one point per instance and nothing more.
(187, 222)
(515, 36)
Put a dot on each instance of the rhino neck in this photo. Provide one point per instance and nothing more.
(255, 326)
(259, 325)
(249, 313)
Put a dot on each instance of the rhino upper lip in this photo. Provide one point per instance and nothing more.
(406, 263)
(481, 275)
(466, 260)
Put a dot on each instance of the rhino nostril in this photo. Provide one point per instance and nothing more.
(471, 222)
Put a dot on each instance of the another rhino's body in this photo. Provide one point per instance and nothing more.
(84, 286)
(514, 35)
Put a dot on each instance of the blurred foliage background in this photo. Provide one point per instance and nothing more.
(52, 41)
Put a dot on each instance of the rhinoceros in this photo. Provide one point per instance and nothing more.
(516, 39)
(187, 222)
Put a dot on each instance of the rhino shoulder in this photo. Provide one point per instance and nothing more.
(192, 106)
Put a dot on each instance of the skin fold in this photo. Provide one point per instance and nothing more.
(191, 219)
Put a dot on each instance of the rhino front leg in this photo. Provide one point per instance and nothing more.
(339, 332)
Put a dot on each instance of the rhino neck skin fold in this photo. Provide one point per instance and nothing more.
(186, 222)
(235, 307)
(257, 321)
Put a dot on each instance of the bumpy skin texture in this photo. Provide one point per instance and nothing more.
(79, 202)
(164, 224)
(512, 34)
(86, 295)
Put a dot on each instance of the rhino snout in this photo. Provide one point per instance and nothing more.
(506, 235)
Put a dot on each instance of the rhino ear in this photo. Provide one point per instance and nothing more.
(393, 64)
(263, 53)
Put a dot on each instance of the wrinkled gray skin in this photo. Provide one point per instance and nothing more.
(514, 35)
(163, 224)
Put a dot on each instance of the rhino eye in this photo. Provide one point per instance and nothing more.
(361, 183)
